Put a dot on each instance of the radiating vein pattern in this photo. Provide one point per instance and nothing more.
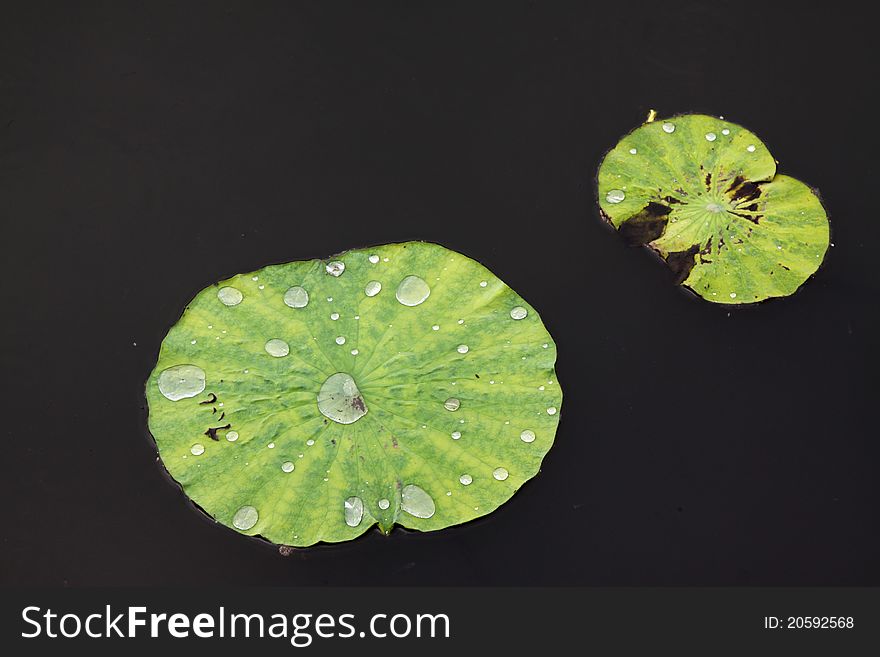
(401, 384)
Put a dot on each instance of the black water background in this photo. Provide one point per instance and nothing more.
(148, 150)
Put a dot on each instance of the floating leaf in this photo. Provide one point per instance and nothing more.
(705, 195)
(307, 401)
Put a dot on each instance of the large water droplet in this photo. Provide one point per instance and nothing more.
(340, 340)
(340, 400)
(374, 259)
(277, 348)
(296, 297)
(466, 480)
(452, 404)
(668, 128)
(232, 436)
(711, 136)
(500, 474)
(245, 518)
(456, 435)
(527, 436)
(229, 296)
(462, 349)
(181, 382)
(335, 268)
(412, 291)
(383, 503)
(197, 449)
(416, 502)
(373, 288)
(354, 509)
(519, 312)
(287, 466)
(615, 196)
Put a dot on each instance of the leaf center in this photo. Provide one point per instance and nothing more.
(340, 400)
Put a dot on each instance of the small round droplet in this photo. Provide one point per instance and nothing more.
(466, 480)
(229, 296)
(462, 348)
(296, 297)
(373, 288)
(197, 449)
(340, 339)
(416, 502)
(725, 132)
(373, 259)
(353, 507)
(456, 435)
(668, 128)
(310, 442)
(335, 268)
(519, 312)
(483, 283)
(245, 518)
(750, 148)
(271, 445)
(500, 474)
(551, 410)
(287, 466)
(334, 316)
(733, 295)
(354, 352)
(452, 404)
(527, 436)
(383, 504)
(277, 348)
(412, 291)
(232, 436)
(615, 196)
(711, 136)
(633, 151)
(181, 382)
(436, 327)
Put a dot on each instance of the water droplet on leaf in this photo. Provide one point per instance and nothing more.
(229, 296)
(181, 382)
(277, 348)
(354, 507)
(373, 288)
(615, 196)
(245, 518)
(335, 268)
(340, 400)
(416, 502)
(296, 297)
(412, 291)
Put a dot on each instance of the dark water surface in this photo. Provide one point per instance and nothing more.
(148, 150)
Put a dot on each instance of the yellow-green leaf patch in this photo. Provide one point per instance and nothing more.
(705, 194)
(308, 401)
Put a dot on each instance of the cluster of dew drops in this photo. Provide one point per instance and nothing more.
(184, 381)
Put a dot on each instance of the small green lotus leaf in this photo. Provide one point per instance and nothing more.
(704, 194)
(307, 401)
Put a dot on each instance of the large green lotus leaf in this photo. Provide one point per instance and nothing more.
(705, 195)
(305, 402)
